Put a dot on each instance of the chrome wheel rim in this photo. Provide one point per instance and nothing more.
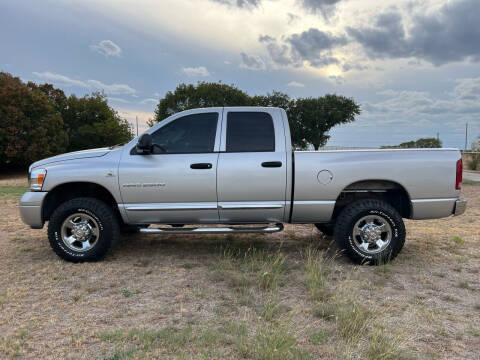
(80, 232)
(372, 234)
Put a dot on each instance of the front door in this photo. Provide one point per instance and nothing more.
(176, 183)
(252, 168)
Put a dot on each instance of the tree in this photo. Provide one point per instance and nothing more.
(90, 122)
(203, 95)
(420, 143)
(310, 119)
(30, 126)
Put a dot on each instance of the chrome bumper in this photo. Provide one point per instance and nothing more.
(460, 207)
(31, 208)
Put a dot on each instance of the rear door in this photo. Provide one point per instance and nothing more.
(251, 174)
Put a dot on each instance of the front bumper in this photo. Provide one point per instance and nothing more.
(31, 208)
(460, 207)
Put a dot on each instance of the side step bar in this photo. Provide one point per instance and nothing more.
(214, 230)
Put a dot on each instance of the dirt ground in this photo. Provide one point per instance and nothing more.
(289, 295)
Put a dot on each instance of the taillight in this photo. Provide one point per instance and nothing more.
(458, 181)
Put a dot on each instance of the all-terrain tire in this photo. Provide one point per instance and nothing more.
(326, 229)
(352, 213)
(102, 214)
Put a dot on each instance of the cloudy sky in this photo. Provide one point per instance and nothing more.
(413, 65)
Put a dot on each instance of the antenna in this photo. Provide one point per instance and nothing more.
(136, 119)
(466, 136)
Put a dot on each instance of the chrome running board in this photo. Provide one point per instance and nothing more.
(214, 230)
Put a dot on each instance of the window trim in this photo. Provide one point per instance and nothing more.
(175, 117)
(249, 151)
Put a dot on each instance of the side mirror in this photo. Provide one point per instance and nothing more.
(144, 144)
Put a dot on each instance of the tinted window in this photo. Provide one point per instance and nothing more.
(188, 134)
(250, 131)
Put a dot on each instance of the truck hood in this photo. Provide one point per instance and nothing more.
(91, 153)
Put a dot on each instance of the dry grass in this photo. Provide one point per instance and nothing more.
(282, 296)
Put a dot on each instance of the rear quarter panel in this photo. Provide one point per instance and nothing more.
(424, 174)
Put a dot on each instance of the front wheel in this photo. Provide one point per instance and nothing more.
(370, 231)
(83, 229)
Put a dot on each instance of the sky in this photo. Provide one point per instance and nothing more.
(414, 65)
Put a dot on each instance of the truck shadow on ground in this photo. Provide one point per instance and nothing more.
(195, 246)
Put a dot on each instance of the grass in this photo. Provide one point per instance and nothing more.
(267, 343)
(352, 319)
(14, 345)
(318, 337)
(470, 182)
(458, 240)
(247, 267)
(242, 296)
(127, 293)
(382, 346)
(273, 343)
(463, 285)
(11, 192)
(316, 269)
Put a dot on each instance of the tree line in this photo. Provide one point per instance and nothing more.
(38, 121)
(417, 144)
(310, 118)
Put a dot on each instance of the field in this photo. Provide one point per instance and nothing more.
(289, 295)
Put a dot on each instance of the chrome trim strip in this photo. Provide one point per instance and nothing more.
(250, 206)
(313, 202)
(170, 207)
(431, 200)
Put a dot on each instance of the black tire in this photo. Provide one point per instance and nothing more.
(326, 229)
(100, 213)
(356, 211)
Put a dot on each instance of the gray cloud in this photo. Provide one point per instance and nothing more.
(324, 7)
(315, 46)
(449, 35)
(312, 45)
(265, 38)
(252, 62)
(240, 3)
(464, 99)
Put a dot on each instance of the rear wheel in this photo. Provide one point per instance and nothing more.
(83, 229)
(370, 231)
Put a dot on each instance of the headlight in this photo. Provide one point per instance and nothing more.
(36, 179)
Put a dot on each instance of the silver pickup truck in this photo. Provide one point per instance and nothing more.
(236, 167)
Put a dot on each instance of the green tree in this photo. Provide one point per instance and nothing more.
(310, 119)
(420, 143)
(30, 126)
(202, 95)
(90, 122)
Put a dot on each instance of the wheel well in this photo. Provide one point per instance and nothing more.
(68, 191)
(388, 191)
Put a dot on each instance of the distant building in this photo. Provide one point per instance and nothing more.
(476, 146)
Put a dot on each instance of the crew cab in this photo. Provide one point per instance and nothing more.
(234, 169)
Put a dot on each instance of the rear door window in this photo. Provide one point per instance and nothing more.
(250, 132)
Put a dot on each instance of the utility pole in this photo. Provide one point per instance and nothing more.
(466, 136)
(136, 119)
(438, 135)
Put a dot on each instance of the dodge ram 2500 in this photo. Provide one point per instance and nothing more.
(236, 167)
